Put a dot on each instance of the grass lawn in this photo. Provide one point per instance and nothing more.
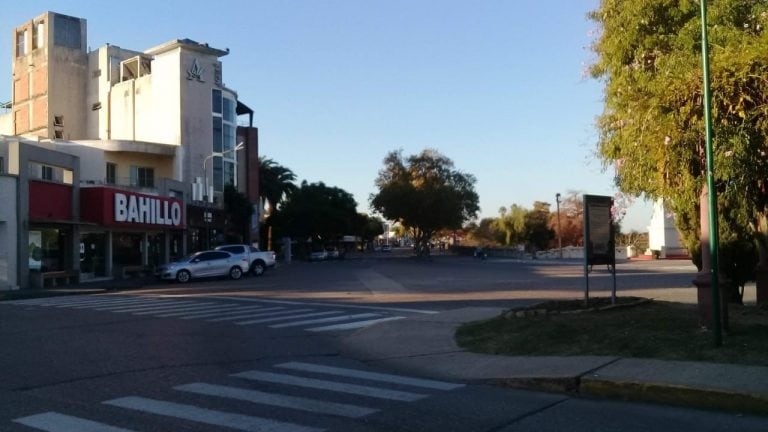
(651, 330)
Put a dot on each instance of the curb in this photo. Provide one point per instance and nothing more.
(675, 395)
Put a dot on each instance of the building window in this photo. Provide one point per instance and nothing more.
(229, 139)
(38, 35)
(111, 173)
(21, 43)
(229, 173)
(218, 174)
(216, 101)
(46, 173)
(2, 165)
(142, 177)
(67, 31)
(229, 110)
(217, 134)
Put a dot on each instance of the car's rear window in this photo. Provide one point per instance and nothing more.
(233, 249)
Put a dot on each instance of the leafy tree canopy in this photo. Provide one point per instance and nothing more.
(276, 182)
(316, 211)
(425, 192)
(652, 127)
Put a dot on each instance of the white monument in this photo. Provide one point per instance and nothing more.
(662, 233)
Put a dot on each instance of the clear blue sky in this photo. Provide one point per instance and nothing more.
(497, 86)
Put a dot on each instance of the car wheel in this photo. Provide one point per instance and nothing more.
(183, 276)
(258, 268)
(236, 272)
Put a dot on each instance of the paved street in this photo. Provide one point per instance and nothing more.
(264, 353)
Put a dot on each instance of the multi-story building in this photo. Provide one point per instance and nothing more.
(158, 122)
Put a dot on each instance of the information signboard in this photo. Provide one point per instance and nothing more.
(598, 239)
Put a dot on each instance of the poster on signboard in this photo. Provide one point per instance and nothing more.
(598, 230)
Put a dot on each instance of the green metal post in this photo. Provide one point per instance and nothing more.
(713, 229)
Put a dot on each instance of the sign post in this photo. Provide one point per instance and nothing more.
(599, 245)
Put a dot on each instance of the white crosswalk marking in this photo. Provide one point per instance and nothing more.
(354, 325)
(212, 417)
(287, 317)
(177, 308)
(185, 312)
(284, 401)
(260, 314)
(55, 422)
(371, 376)
(318, 319)
(155, 304)
(361, 390)
(236, 310)
(325, 320)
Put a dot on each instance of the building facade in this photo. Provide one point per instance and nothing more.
(156, 126)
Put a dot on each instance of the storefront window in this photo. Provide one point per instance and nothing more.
(47, 250)
(92, 255)
(127, 249)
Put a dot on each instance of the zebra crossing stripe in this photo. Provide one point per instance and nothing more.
(260, 313)
(283, 401)
(191, 311)
(354, 325)
(361, 390)
(325, 320)
(115, 303)
(177, 308)
(237, 310)
(371, 376)
(135, 307)
(55, 422)
(287, 317)
(211, 417)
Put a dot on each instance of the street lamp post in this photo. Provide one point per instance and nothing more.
(712, 202)
(559, 233)
(238, 147)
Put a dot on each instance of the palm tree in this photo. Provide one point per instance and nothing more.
(275, 185)
(275, 181)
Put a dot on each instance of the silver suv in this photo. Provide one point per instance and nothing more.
(258, 261)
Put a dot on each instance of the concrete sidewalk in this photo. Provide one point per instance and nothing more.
(425, 345)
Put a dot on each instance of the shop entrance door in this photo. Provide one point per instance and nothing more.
(92, 255)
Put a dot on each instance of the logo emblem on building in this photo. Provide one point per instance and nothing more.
(195, 72)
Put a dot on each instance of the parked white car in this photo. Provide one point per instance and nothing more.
(203, 264)
(320, 255)
(258, 261)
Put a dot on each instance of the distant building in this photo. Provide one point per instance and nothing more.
(157, 125)
(663, 235)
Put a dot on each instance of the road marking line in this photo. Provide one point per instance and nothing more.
(324, 320)
(178, 308)
(260, 314)
(202, 415)
(82, 302)
(62, 299)
(220, 308)
(237, 310)
(112, 303)
(55, 422)
(319, 304)
(284, 401)
(354, 325)
(372, 376)
(330, 386)
(287, 317)
(142, 307)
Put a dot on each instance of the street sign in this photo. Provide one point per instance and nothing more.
(599, 245)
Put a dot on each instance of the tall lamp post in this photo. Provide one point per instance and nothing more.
(559, 233)
(712, 202)
(238, 147)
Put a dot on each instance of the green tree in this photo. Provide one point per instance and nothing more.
(317, 212)
(512, 223)
(537, 232)
(425, 192)
(652, 130)
(368, 227)
(276, 183)
(239, 211)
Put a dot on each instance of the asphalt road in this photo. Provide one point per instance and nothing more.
(263, 354)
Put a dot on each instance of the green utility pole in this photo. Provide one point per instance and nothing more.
(713, 230)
